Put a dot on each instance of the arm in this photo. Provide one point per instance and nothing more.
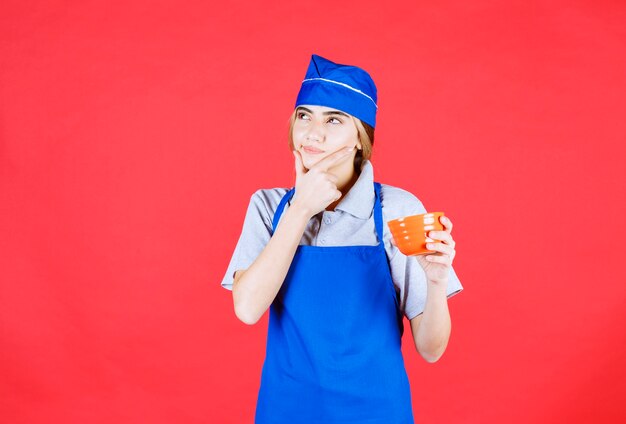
(431, 329)
(255, 288)
(431, 332)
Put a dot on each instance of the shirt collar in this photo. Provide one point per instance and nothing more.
(359, 201)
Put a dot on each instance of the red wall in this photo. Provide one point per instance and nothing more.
(132, 135)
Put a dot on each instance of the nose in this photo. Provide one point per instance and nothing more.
(312, 137)
(315, 133)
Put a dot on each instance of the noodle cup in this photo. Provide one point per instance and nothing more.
(411, 232)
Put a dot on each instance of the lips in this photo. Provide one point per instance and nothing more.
(312, 150)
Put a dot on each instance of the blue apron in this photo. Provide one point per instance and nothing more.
(333, 345)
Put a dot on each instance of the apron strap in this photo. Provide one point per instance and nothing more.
(378, 219)
(281, 207)
(378, 214)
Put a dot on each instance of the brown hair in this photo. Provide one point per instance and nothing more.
(366, 137)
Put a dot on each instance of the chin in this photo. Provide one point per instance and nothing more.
(310, 162)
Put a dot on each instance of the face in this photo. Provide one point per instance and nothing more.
(319, 131)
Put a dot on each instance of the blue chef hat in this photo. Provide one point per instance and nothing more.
(347, 88)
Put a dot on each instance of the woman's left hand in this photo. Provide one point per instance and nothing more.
(437, 265)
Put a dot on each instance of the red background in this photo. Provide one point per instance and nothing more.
(132, 135)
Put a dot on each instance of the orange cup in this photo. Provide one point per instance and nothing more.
(411, 232)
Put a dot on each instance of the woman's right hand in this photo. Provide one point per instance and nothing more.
(317, 188)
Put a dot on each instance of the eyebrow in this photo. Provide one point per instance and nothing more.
(331, 112)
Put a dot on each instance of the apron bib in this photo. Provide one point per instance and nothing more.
(333, 352)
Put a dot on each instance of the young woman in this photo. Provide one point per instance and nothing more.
(321, 258)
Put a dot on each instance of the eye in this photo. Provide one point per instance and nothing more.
(333, 118)
(302, 115)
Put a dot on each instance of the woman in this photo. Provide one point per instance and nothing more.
(320, 257)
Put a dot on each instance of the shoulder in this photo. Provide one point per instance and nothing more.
(397, 202)
(268, 198)
(263, 204)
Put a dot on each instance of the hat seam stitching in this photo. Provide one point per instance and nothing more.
(343, 85)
